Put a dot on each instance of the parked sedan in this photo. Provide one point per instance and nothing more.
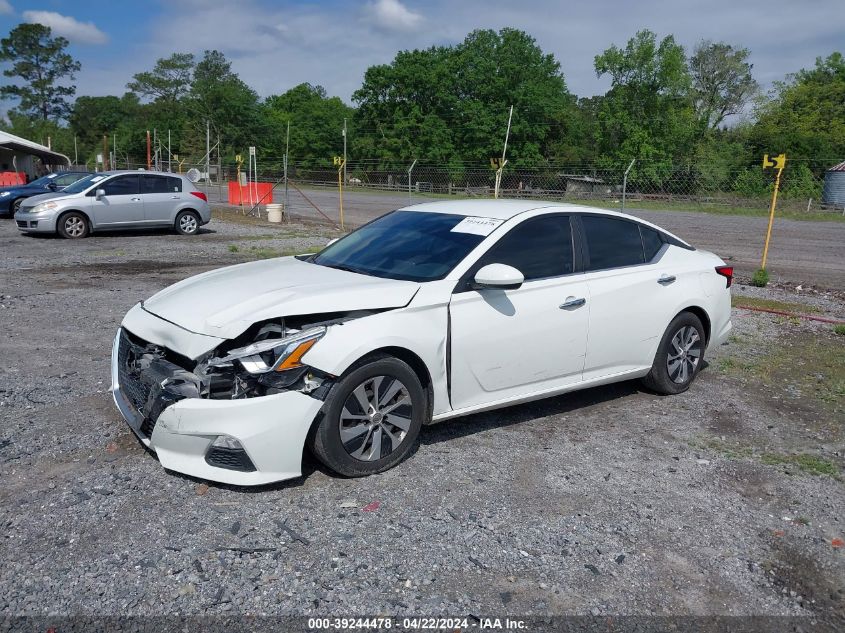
(12, 197)
(428, 313)
(117, 200)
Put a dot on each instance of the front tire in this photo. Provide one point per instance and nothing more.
(187, 223)
(679, 356)
(371, 419)
(16, 206)
(73, 226)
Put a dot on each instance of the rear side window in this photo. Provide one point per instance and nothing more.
(539, 247)
(160, 184)
(612, 243)
(121, 186)
(652, 242)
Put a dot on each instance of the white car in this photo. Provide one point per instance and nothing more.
(430, 312)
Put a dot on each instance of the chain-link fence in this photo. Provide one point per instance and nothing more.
(310, 191)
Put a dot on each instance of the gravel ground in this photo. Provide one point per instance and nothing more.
(725, 500)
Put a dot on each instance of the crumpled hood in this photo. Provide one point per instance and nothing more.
(226, 301)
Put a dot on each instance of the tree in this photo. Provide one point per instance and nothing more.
(647, 114)
(316, 121)
(220, 97)
(805, 115)
(40, 61)
(169, 80)
(450, 105)
(722, 83)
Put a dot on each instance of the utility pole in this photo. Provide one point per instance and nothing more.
(156, 148)
(148, 149)
(169, 155)
(287, 148)
(344, 150)
(105, 152)
(114, 151)
(625, 183)
(207, 149)
(504, 161)
(75, 152)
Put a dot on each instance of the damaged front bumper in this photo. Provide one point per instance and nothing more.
(248, 441)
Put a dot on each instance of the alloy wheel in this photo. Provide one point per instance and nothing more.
(188, 223)
(375, 418)
(684, 354)
(74, 226)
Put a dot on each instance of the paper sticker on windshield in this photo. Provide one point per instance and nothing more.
(96, 178)
(476, 226)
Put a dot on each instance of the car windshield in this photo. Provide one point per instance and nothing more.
(43, 181)
(407, 245)
(81, 185)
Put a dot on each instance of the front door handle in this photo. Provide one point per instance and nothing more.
(666, 279)
(135, 199)
(573, 302)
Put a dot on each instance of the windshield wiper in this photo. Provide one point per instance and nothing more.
(348, 269)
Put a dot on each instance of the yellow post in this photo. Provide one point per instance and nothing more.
(340, 162)
(780, 163)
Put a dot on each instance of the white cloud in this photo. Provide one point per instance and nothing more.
(66, 26)
(6, 8)
(392, 15)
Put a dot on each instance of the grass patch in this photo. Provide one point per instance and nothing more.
(233, 248)
(839, 329)
(760, 278)
(804, 461)
(771, 304)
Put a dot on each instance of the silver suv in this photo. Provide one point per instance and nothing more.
(117, 200)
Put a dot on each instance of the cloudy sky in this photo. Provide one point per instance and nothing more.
(276, 44)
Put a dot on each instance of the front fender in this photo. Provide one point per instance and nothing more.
(421, 331)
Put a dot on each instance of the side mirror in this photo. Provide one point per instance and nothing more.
(52, 186)
(499, 276)
(100, 194)
(332, 241)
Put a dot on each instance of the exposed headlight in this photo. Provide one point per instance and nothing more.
(3, 194)
(277, 354)
(43, 207)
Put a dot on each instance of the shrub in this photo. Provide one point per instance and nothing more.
(839, 329)
(760, 278)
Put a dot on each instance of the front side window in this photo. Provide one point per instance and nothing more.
(612, 243)
(64, 180)
(538, 248)
(409, 245)
(121, 186)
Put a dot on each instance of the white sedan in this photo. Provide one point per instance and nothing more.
(427, 313)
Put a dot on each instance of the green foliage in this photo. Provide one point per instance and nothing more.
(316, 122)
(722, 83)
(805, 115)
(450, 104)
(648, 113)
(169, 80)
(839, 328)
(760, 278)
(40, 61)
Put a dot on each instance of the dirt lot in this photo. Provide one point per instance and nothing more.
(725, 500)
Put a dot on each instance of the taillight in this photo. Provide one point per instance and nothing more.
(727, 272)
(202, 196)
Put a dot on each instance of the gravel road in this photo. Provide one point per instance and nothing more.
(725, 500)
(807, 253)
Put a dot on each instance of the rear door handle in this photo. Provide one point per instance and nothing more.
(573, 302)
(666, 279)
(174, 197)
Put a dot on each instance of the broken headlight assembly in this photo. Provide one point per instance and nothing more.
(272, 354)
(270, 364)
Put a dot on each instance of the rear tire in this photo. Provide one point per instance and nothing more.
(371, 419)
(73, 225)
(679, 356)
(187, 223)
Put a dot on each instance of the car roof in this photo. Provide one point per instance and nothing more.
(507, 209)
(114, 172)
